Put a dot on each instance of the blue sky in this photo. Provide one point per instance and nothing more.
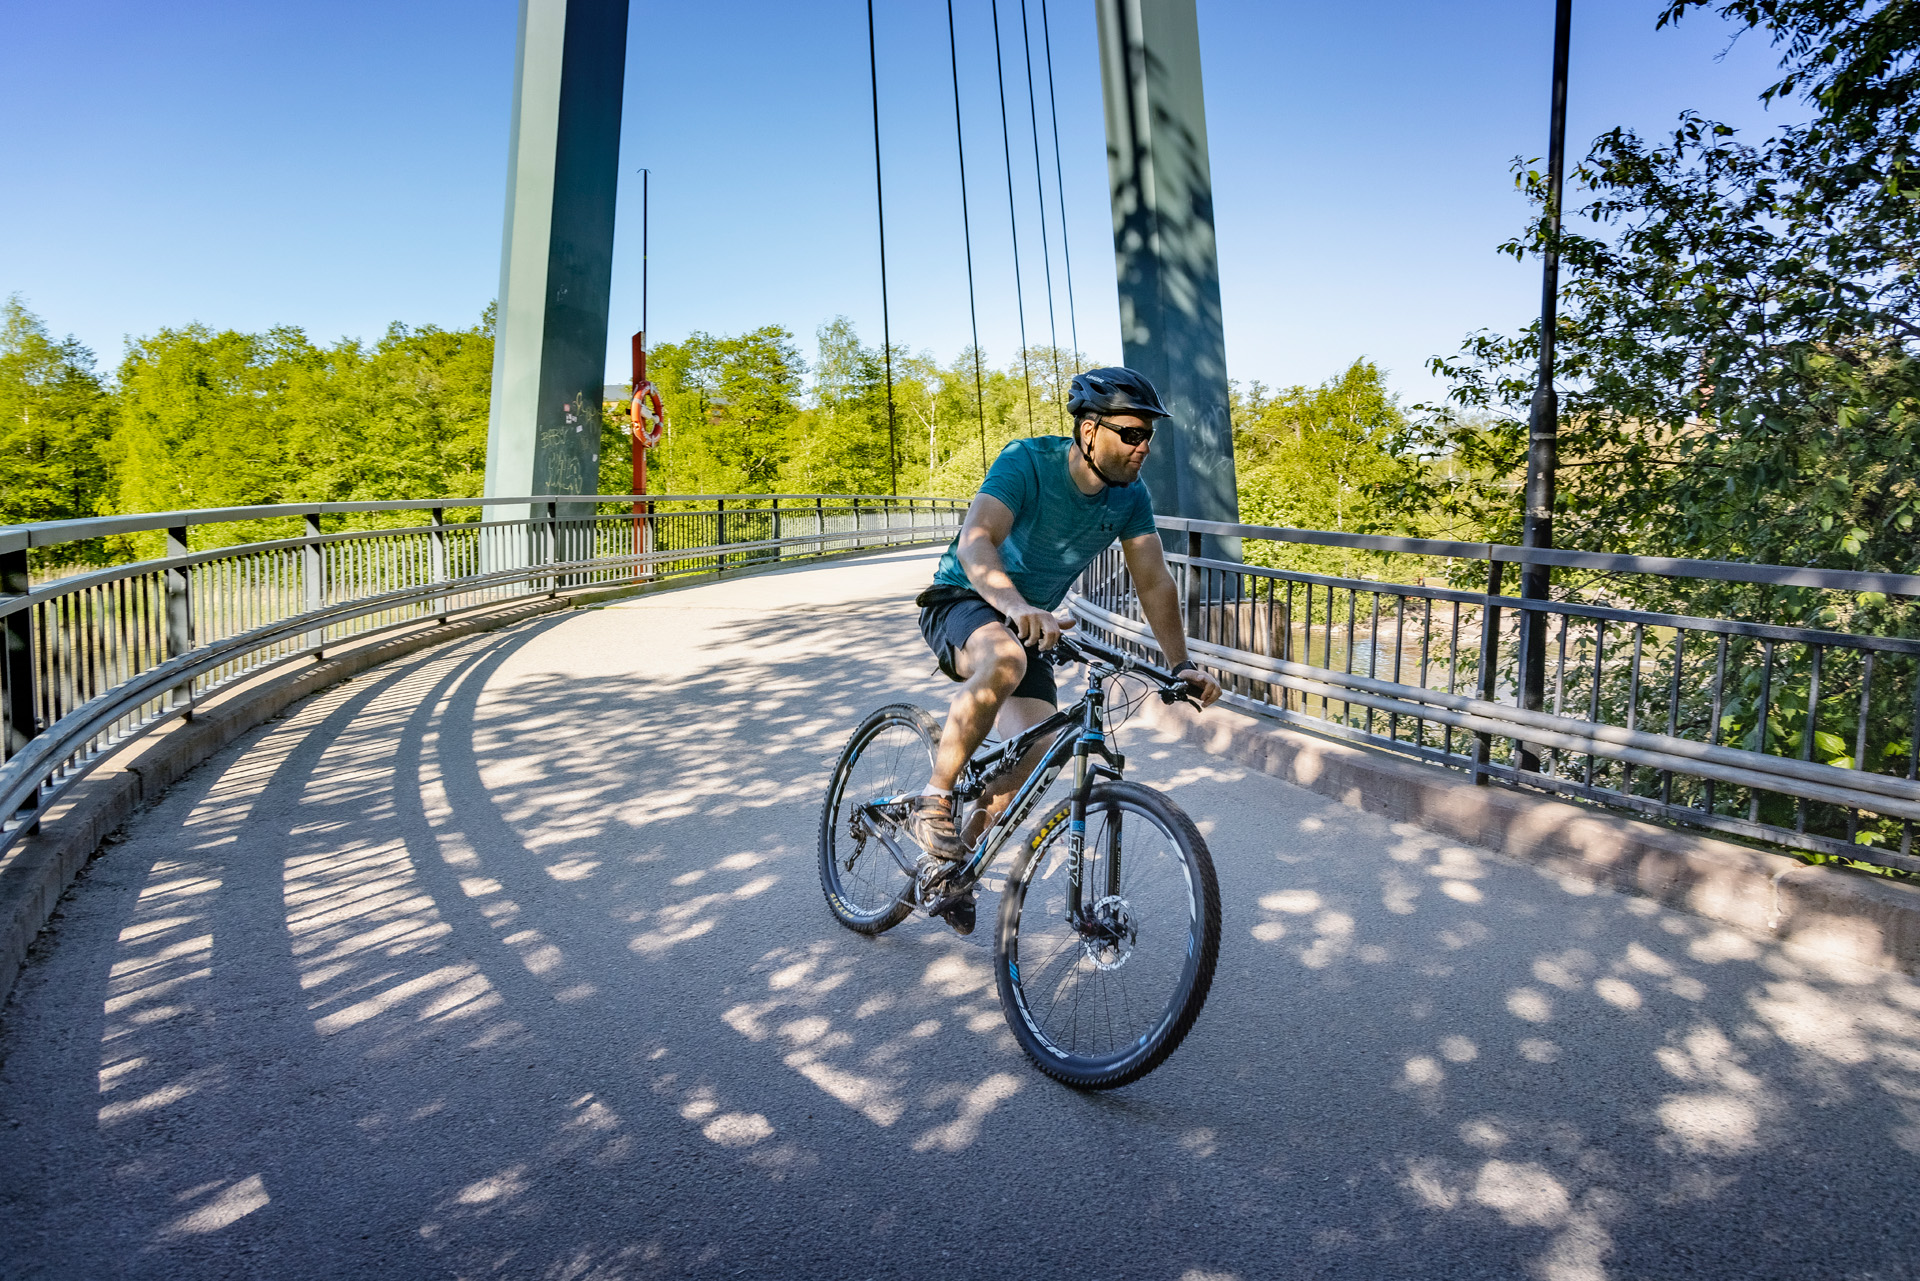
(340, 164)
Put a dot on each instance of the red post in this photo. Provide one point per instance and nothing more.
(638, 436)
(639, 442)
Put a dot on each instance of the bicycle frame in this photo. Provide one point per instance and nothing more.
(1079, 733)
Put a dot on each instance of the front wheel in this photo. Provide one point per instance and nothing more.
(1102, 1001)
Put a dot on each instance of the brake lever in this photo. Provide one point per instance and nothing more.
(1170, 696)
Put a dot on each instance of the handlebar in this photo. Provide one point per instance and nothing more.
(1084, 649)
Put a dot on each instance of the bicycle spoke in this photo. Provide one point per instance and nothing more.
(891, 754)
(1106, 989)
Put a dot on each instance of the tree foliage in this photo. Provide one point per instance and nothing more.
(1858, 63)
(749, 414)
(1737, 364)
(1313, 458)
(55, 424)
(197, 417)
(217, 419)
(1739, 379)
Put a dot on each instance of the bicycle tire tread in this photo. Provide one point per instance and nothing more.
(1201, 860)
(895, 713)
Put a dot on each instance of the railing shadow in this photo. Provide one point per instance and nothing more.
(510, 961)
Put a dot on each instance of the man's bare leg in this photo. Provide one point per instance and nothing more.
(990, 665)
(1017, 715)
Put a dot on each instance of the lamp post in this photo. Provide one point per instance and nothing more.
(1543, 418)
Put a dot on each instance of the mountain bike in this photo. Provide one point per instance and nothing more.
(1109, 924)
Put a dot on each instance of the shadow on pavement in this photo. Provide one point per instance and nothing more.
(510, 961)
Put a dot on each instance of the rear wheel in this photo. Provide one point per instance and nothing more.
(891, 754)
(1104, 1001)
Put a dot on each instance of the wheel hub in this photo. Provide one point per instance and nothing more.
(1109, 934)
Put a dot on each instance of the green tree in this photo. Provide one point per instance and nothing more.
(1857, 62)
(1737, 382)
(1738, 329)
(731, 405)
(404, 419)
(1314, 458)
(1739, 376)
(197, 418)
(230, 419)
(841, 441)
(55, 424)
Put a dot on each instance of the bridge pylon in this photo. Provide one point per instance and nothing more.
(556, 257)
(1165, 257)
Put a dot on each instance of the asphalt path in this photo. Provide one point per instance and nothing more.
(510, 960)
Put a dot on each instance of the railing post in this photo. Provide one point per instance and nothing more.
(21, 707)
(720, 529)
(820, 526)
(179, 615)
(437, 562)
(1193, 585)
(313, 576)
(1534, 583)
(1489, 660)
(649, 541)
(553, 550)
(779, 552)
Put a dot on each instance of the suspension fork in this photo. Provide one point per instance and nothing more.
(1092, 742)
(1113, 852)
(1077, 833)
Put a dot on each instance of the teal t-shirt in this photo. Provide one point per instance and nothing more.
(1057, 530)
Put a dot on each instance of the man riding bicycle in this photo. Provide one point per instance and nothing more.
(1047, 507)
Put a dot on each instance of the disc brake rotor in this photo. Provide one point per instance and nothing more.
(1110, 942)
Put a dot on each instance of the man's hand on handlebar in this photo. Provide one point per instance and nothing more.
(1040, 628)
(1202, 685)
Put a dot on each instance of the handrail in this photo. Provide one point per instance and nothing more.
(1771, 631)
(51, 533)
(94, 659)
(1806, 738)
(1846, 580)
(1888, 795)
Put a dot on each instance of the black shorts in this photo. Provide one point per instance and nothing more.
(949, 616)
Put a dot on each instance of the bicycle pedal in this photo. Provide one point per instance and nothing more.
(957, 910)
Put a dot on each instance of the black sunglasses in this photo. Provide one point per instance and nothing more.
(1132, 437)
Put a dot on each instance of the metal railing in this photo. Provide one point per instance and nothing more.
(1802, 737)
(95, 658)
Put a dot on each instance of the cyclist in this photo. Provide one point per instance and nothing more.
(1047, 507)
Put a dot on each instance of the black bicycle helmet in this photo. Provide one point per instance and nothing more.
(1115, 390)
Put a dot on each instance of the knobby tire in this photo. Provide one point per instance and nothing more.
(1032, 985)
(891, 753)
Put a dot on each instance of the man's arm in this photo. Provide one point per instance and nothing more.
(987, 525)
(1160, 602)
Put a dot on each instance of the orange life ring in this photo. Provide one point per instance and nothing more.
(649, 415)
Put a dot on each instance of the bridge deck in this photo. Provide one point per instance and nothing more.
(509, 960)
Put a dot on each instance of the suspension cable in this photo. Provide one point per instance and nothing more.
(966, 227)
(880, 205)
(1040, 190)
(1059, 180)
(1006, 150)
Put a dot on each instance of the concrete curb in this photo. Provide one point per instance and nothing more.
(74, 829)
(1862, 918)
